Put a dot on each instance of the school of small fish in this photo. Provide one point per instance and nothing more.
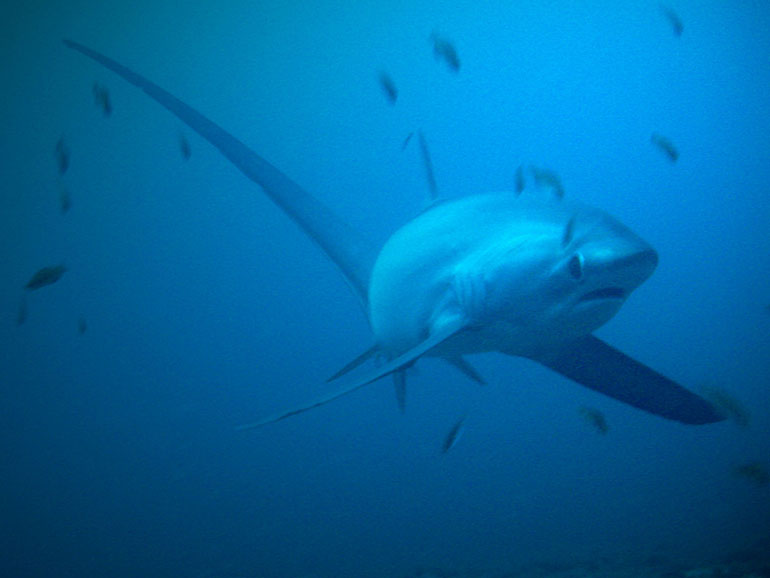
(52, 274)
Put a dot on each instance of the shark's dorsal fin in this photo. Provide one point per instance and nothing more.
(595, 364)
(399, 363)
(345, 247)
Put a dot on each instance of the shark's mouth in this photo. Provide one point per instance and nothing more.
(606, 293)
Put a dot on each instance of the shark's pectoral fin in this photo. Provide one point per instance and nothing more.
(595, 364)
(399, 363)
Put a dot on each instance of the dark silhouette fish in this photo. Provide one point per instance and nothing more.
(521, 183)
(184, 147)
(674, 20)
(428, 164)
(753, 471)
(388, 87)
(453, 436)
(727, 405)
(569, 233)
(411, 134)
(666, 146)
(62, 156)
(596, 418)
(45, 276)
(65, 201)
(444, 50)
(102, 99)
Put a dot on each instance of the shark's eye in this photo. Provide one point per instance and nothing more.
(575, 266)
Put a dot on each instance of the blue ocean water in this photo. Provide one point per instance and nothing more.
(206, 308)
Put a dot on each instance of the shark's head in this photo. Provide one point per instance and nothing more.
(604, 261)
(568, 271)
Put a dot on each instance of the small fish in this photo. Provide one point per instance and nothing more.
(388, 87)
(409, 137)
(62, 156)
(444, 50)
(546, 178)
(21, 316)
(521, 182)
(596, 418)
(82, 325)
(453, 436)
(674, 20)
(65, 201)
(45, 276)
(102, 99)
(666, 146)
(753, 471)
(728, 405)
(432, 187)
(184, 147)
(568, 233)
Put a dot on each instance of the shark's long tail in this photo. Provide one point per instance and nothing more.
(353, 254)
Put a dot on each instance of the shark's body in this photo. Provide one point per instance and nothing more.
(521, 275)
(500, 267)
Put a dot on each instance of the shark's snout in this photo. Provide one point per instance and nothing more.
(642, 262)
(631, 267)
(638, 266)
(624, 274)
(616, 269)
